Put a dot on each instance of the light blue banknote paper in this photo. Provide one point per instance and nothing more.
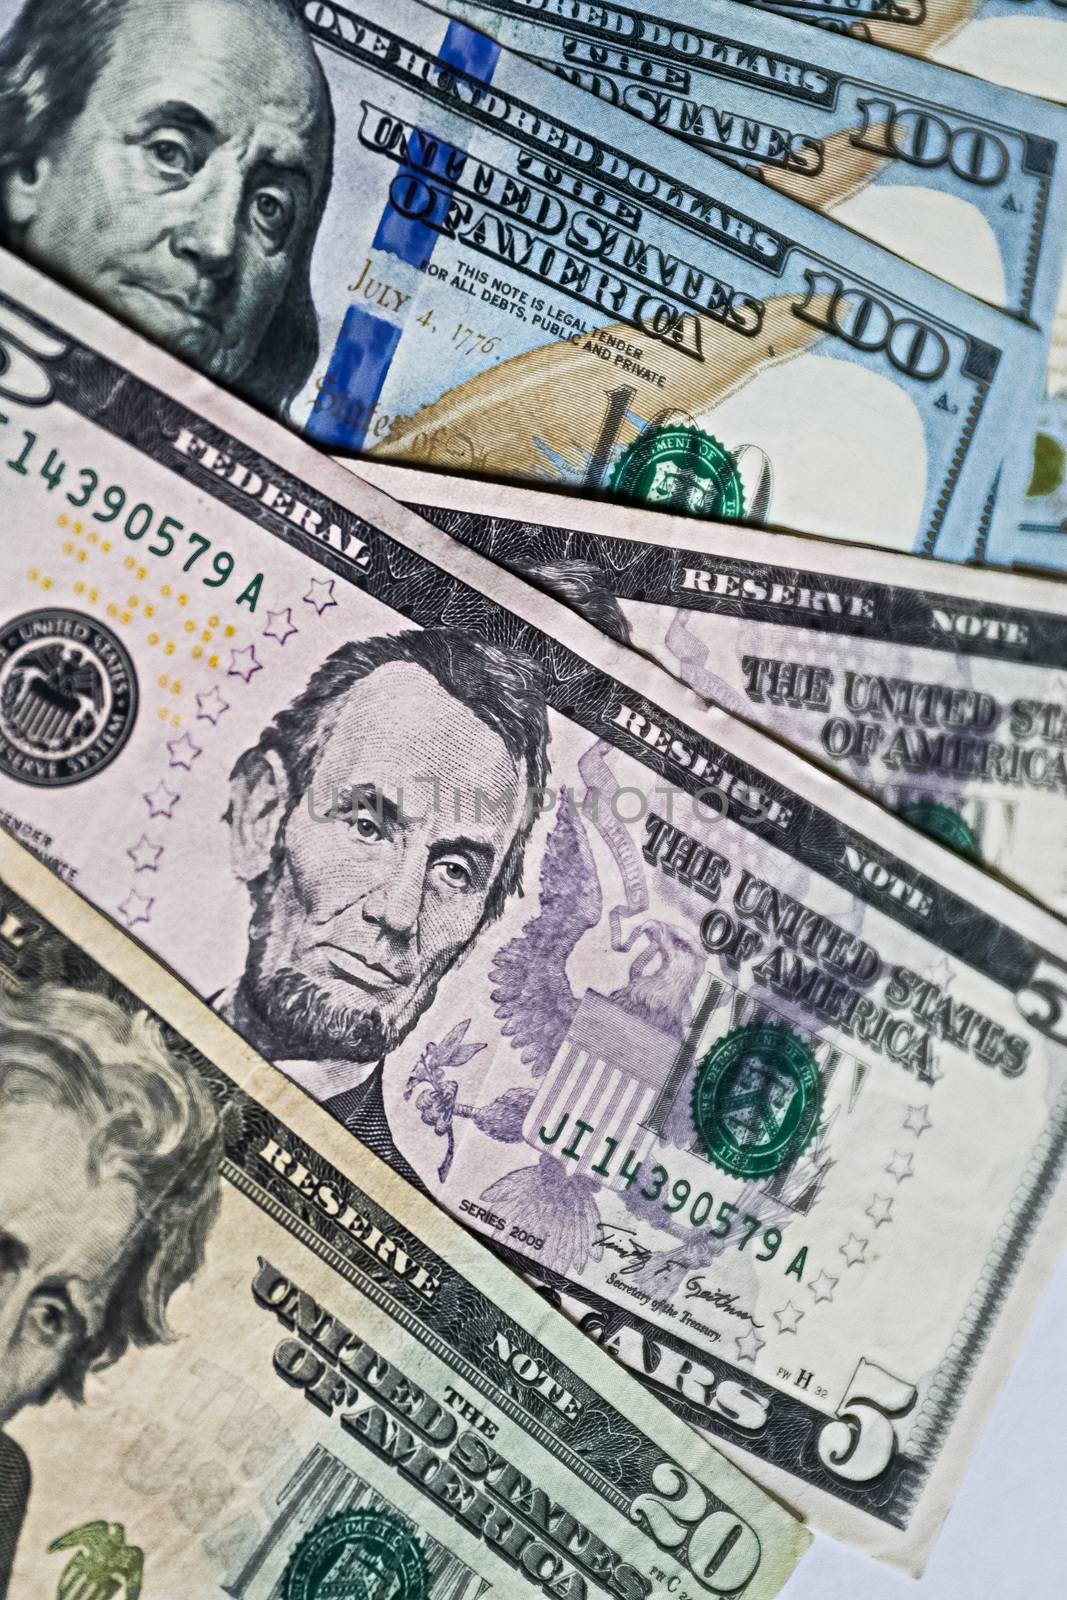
(1021, 44)
(961, 177)
(376, 222)
(958, 176)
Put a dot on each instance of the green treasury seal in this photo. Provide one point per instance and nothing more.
(942, 824)
(681, 469)
(756, 1099)
(358, 1555)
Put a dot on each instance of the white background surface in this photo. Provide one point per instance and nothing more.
(1006, 1536)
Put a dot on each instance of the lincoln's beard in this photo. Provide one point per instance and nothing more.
(287, 1016)
(295, 1019)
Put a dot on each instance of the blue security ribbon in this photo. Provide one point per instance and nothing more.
(366, 344)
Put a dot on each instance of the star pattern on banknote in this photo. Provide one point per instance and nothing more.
(145, 854)
(183, 752)
(136, 908)
(161, 800)
(854, 1250)
(243, 663)
(880, 1209)
(788, 1318)
(901, 1165)
(917, 1120)
(823, 1286)
(749, 1346)
(210, 706)
(280, 625)
(320, 594)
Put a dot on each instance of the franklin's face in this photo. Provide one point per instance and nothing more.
(368, 909)
(181, 194)
(62, 1236)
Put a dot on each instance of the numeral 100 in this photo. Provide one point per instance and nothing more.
(924, 140)
(865, 323)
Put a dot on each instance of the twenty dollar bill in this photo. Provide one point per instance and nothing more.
(745, 1060)
(299, 1377)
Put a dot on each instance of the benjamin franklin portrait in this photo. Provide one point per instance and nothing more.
(173, 161)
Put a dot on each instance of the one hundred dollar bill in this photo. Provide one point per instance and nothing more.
(946, 700)
(1021, 44)
(763, 1088)
(964, 179)
(377, 223)
(299, 1377)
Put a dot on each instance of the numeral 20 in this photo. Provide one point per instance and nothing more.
(720, 1549)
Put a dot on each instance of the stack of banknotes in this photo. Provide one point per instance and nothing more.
(533, 785)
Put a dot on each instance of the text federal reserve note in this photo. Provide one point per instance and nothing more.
(298, 1377)
(947, 700)
(764, 1088)
(411, 242)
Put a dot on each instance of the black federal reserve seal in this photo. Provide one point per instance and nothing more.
(68, 697)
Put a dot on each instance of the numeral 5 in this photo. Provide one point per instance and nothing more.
(22, 377)
(859, 1443)
(1043, 1001)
